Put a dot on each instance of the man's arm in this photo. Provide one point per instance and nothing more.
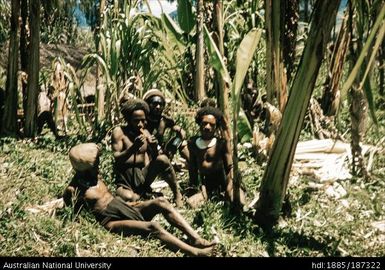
(179, 130)
(71, 197)
(121, 155)
(68, 195)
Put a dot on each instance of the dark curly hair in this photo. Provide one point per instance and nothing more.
(133, 104)
(217, 113)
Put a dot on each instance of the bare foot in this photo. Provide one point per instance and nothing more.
(207, 252)
(202, 243)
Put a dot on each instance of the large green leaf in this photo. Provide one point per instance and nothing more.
(215, 58)
(245, 132)
(174, 33)
(245, 55)
(368, 92)
(186, 18)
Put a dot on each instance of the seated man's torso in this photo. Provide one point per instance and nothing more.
(209, 160)
(140, 158)
(158, 127)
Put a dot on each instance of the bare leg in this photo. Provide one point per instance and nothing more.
(162, 165)
(160, 205)
(127, 194)
(128, 227)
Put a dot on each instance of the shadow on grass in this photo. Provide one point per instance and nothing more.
(243, 225)
(296, 240)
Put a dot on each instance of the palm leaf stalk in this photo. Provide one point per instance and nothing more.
(276, 177)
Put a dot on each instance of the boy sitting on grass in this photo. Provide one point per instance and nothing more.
(118, 216)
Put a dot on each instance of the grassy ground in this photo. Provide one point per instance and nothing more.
(34, 173)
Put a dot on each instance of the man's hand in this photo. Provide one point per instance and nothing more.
(139, 141)
(152, 140)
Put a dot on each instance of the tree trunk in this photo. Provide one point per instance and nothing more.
(358, 105)
(290, 13)
(223, 96)
(381, 60)
(99, 88)
(33, 69)
(275, 71)
(306, 10)
(199, 55)
(276, 177)
(24, 48)
(10, 106)
(331, 96)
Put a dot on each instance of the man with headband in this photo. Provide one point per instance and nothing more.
(158, 123)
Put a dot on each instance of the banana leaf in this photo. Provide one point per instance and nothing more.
(186, 17)
(215, 58)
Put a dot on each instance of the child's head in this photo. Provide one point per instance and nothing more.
(85, 158)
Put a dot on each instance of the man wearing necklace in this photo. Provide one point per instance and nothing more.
(137, 158)
(210, 159)
(113, 213)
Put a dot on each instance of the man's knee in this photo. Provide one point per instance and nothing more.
(126, 194)
(162, 203)
(163, 161)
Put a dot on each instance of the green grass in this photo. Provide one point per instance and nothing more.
(34, 173)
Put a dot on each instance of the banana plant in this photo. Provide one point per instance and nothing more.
(275, 180)
(245, 54)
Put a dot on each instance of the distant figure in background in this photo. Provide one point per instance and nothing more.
(62, 110)
(88, 189)
(210, 158)
(208, 102)
(137, 158)
(157, 123)
(60, 84)
(44, 111)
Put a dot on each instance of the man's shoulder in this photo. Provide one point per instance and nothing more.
(117, 131)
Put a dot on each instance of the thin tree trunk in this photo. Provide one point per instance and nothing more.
(289, 11)
(276, 76)
(381, 60)
(24, 48)
(99, 88)
(33, 69)
(269, 52)
(331, 96)
(306, 10)
(10, 108)
(276, 177)
(199, 55)
(223, 89)
(358, 105)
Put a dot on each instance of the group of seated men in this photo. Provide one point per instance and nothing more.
(140, 157)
